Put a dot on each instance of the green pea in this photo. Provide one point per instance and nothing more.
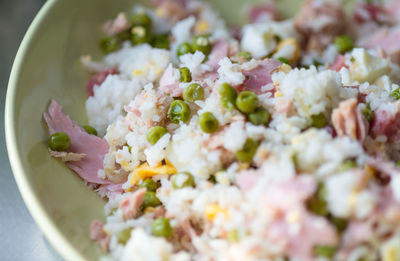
(325, 251)
(245, 55)
(184, 48)
(155, 133)
(339, 223)
(185, 75)
(317, 204)
(347, 165)
(208, 123)
(395, 94)
(202, 44)
(283, 60)
(318, 121)
(228, 96)
(89, 129)
(59, 141)
(193, 92)
(124, 235)
(344, 43)
(124, 36)
(161, 227)
(150, 184)
(398, 163)
(259, 117)
(141, 19)
(150, 200)
(248, 151)
(161, 41)
(140, 35)
(182, 179)
(178, 111)
(108, 44)
(367, 112)
(247, 101)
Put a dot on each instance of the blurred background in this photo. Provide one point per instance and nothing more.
(21, 238)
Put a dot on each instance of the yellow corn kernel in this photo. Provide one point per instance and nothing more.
(278, 94)
(137, 72)
(161, 12)
(202, 27)
(213, 210)
(290, 41)
(285, 68)
(145, 171)
(390, 250)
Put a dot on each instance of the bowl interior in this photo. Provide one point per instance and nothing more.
(47, 66)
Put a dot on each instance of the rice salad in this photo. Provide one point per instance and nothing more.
(278, 140)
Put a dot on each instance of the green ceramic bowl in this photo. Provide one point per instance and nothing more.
(47, 66)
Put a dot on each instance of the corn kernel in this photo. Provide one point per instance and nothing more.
(213, 210)
(290, 41)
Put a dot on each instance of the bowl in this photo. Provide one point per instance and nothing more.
(47, 66)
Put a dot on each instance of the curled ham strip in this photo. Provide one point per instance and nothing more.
(116, 26)
(93, 147)
(169, 84)
(219, 51)
(348, 120)
(98, 234)
(67, 156)
(130, 205)
(319, 22)
(98, 79)
(338, 63)
(386, 121)
(365, 12)
(263, 13)
(260, 76)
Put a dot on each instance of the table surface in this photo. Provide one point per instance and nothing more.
(21, 237)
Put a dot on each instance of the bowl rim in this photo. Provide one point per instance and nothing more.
(42, 219)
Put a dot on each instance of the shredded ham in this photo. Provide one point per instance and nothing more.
(98, 79)
(116, 26)
(348, 120)
(169, 84)
(318, 22)
(288, 198)
(338, 63)
(93, 147)
(263, 12)
(131, 204)
(260, 76)
(98, 234)
(172, 10)
(386, 121)
(66, 156)
(219, 51)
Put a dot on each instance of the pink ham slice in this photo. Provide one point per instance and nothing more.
(263, 13)
(169, 84)
(260, 76)
(93, 147)
(98, 79)
(219, 51)
(98, 234)
(130, 205)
